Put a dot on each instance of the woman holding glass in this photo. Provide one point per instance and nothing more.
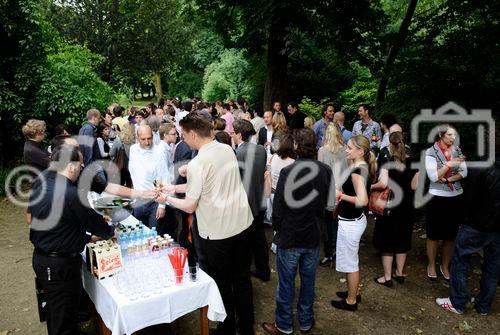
(352, 202)
(445, 167)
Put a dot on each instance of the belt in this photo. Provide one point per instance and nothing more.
(57, 254)
(344, 219)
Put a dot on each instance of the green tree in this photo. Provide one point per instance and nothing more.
(24, 43)
(269, 28)
(227, 78)
(70, 86)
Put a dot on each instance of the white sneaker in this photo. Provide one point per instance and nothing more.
(446, 304)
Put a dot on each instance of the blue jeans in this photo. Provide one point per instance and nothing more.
(146, 213)
(470, 241)
(287, 261)
(332, 227)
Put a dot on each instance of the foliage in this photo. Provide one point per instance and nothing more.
(451, 56)
(207, 48)
(23, 57)
(70, 86)
(311, 108)
(227, 78)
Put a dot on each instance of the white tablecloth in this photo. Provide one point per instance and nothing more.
(123, 316)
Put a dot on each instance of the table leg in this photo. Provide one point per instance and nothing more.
(203, 321)
(103, 330)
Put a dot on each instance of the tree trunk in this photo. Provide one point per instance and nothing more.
(393, 52)
(275, 88)
(158, 88)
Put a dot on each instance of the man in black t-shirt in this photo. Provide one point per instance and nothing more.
(58, 231)
(303, 192)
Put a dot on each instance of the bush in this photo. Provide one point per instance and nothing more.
(311, 108)
(70, 86)
(227, 78)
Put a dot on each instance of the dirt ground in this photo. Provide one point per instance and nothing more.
(407, 308)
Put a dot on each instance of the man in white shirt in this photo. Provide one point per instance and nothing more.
(147, 164)
(258, 121)
(215, 191)
(181, 113)
(168, 137)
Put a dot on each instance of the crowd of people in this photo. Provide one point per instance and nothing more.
(222, 171)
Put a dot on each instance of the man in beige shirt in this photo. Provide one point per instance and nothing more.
(214, 191)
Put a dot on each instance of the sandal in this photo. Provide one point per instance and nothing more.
(399, 279)
(447, 278)
(386, 283)
(431, 277)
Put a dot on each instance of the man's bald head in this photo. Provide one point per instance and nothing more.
(145, 137)
(395, 128)
(339, 118)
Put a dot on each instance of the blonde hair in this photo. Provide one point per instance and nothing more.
(279, 122)
(33, 127)
(361, 142)
(399, 149)
(333, 140)
(245, 116)
(309, 122)
(127, 134)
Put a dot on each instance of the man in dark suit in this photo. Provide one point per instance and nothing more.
(252, 159)
(266, 133)
(87, 137)
(182, 155)
(294, 117)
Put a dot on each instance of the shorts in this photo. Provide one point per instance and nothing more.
(348, 237)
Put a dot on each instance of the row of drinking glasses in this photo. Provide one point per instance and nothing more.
(144, 275)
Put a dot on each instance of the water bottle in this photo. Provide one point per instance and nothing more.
(124, 246)
(153, 232)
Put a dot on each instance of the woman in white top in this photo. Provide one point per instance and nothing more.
(284, 155)
(445, 167)
(333, 154)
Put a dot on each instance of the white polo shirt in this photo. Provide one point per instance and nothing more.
(214, 180)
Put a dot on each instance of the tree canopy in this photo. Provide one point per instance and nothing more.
(64, 57)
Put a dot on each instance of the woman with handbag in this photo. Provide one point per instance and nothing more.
(352, 202)
(333, 154)
(394, 224)
(445, 167)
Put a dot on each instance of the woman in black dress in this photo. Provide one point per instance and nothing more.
(393, 232)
